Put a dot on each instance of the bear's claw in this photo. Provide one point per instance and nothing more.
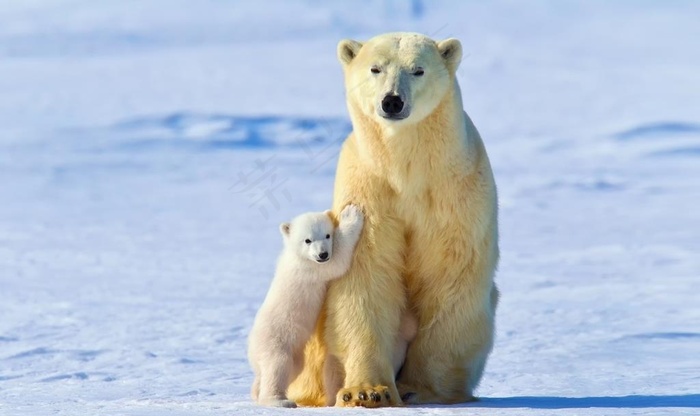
(366, 396)
(408, 396)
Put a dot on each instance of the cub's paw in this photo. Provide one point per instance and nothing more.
(352, 215)
(367, 396)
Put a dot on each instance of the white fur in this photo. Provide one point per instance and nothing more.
(288, 315)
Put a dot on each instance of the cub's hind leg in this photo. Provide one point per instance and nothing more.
(275, 374)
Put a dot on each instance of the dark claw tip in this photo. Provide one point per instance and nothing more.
(347, 397)
(362, 395)
(407, 396)
(387, 395)
(375, 396)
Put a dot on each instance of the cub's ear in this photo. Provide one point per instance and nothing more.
(451, 52)
(348, 50)
(284, 229)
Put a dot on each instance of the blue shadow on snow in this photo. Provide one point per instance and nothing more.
(552, 402)
(660, 129)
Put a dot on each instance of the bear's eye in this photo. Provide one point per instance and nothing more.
(375, 70)
(328, 236)
(419, 72)
(307, 241)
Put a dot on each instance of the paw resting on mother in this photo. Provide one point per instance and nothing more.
(417, 166)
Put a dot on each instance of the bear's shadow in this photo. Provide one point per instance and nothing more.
(553, 402)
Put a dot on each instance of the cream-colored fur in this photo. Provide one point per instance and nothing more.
(430, 241)
(315, 252)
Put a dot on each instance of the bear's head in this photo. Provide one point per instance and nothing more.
(310, 236)
(398, 78)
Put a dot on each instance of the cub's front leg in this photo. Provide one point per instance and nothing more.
(344, 240)
(347, 234)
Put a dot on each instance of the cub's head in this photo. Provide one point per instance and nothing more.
(398, 78)
(310, 236)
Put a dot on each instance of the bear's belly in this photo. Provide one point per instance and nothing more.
(444, 234)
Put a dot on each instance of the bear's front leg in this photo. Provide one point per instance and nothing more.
(438, 371)
(363, 316)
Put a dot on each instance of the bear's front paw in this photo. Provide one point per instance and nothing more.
(367, 396)
(351, 216)
(412, 395)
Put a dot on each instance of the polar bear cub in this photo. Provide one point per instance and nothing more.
(315, 252)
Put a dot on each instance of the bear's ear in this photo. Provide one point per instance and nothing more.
(451, 52)
(284, 229)
(348, 50)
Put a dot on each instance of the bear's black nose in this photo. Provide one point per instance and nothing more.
(323, 255)
(392, 104)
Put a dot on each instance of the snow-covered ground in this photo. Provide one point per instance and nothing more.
(148, 151)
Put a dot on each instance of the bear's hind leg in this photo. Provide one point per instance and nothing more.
(407, 332)
(332, 379)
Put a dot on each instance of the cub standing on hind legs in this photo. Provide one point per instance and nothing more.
(314, 253)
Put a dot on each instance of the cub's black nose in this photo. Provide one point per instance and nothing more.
(323, 255)
(392, 104)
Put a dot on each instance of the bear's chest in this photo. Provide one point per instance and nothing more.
(427, 199)
(443, 207)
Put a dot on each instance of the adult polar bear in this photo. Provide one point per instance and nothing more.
(416, 165)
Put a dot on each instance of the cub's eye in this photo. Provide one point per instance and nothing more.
(307, 241)
(419, 72)
(375, 70)
(328, 236)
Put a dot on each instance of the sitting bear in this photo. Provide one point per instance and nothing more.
(416, 164)
(315, 252)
